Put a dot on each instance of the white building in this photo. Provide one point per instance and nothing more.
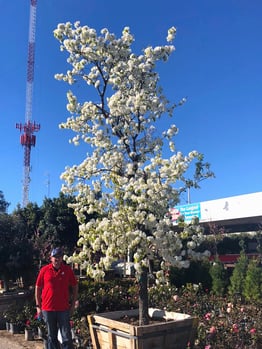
(235, 210)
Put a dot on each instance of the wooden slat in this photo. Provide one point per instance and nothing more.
(112, 340)
(93, 333)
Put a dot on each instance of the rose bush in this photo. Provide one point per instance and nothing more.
(224, 322)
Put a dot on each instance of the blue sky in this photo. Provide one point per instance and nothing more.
(217, 65)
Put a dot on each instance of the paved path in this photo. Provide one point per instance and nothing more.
(17, 341)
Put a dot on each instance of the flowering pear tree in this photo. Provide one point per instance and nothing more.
(125, 182)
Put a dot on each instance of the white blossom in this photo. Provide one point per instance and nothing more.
(124, 181)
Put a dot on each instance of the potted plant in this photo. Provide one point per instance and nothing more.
(132, 173)
(14, 319)
(29, 331)
(7, 314)
(41, 329)
(31, 321)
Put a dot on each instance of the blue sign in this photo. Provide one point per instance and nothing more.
(187, 211)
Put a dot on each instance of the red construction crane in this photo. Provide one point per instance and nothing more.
(27, 138)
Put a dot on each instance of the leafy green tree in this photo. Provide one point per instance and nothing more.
(125, 179)
(253, 281)
(236, 281)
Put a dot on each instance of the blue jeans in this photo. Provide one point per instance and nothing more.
(58, 320)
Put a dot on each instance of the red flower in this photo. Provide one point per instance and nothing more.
(235, 328)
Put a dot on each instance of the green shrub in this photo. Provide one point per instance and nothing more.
(253, 281)
(219, 278)
(236, 285)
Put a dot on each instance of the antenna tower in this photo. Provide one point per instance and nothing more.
(27, 138)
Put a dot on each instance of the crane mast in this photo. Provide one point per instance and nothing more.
(27, 137)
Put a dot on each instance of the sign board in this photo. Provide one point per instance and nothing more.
(235, 207)
(187, 211)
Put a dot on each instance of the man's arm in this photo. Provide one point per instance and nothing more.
(38, 299)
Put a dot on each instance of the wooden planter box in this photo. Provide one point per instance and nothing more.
(108, 332)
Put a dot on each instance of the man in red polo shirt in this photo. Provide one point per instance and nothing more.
(56, 292)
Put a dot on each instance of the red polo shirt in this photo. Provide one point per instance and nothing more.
(55, 286)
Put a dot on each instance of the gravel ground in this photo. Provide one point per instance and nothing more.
(17, 341)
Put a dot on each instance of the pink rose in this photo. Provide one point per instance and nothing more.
(208, 316)
(212, 329)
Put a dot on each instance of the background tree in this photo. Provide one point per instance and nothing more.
(58, 225)
(17, 259)
(237, 279)
(253, 281)
(3, 203)
(28, 234)
(219, 278)
(132, 173)
(6, 246)
(27, 220)
(21, 262)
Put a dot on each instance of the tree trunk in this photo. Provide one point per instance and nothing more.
(143, 298)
